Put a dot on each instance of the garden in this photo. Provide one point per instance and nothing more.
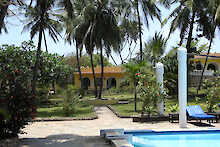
(36, 85)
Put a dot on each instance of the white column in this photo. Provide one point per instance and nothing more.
(182, 86)
(159, 75)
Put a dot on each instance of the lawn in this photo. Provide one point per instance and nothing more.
(85, 107)
(54, 108)
(82, 111)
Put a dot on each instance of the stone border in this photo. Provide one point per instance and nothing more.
(39, 119)
(118, 114)
(140, 118)
(13, 142)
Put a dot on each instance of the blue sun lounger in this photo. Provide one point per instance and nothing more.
(196, 112)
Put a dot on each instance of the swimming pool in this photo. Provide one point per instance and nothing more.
(209, 138)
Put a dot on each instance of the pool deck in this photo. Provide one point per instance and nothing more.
(87, 133)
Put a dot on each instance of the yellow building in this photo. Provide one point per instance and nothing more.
(112, 77)
(213, 62)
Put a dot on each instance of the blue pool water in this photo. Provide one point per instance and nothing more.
(176, 139)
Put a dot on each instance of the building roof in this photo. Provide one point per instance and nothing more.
(109, 69)
(211, 55)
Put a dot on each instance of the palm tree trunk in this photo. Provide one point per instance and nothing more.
(122, 61)
(45, 41)
(188, 47)
(206, 59)
(78, 65)
(3, 13)
(102, 71)
(36, 66)
(140, 31)
(93, 74)
(189, 39)
(113, 60)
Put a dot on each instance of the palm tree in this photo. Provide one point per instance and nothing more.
(101, 32)
(131, 69)
(4, 7)
(150, 10)
(155, 48)
(209, 27)
(39, 19)
(185, 15)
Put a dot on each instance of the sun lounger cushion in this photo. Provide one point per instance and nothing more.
(197, 112)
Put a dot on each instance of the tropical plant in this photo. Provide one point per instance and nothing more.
(212, 94)
(209, 24)
(132, 73)
(16, 98)
(39, 19)
(70, 101)
(173, 108)
(155, 48)
(149, 91)
(4, 11)
(99, 30)
(171, 72)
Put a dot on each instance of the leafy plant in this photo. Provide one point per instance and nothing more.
(149, 92)
(71, 100)
(173, 108)
(212, 90)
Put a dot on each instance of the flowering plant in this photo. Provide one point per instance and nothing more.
(17, 103)
(150, 93)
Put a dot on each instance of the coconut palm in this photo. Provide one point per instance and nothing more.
(209, 26)
(103, 31)
(4, 8)
(150, 10)
(40, 19)
(184, 17)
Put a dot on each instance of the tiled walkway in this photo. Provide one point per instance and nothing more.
(86, 133)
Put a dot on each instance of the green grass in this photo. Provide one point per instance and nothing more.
(82, 110)
(54, 108)
(127, 109)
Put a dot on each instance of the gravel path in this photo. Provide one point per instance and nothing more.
(86, 133)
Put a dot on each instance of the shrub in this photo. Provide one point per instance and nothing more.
(173, 108)
(149, 91)
(212, 94)
(71, 100)
(20, 106)
(16, 99)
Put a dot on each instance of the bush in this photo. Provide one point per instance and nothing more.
(16, 99)
(173, 108)
(20, 108)
(149, 91)
(71, 100)
(212, 89)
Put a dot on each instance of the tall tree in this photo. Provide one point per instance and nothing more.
(155, 48)
(150, 10)
(39, 19)
(4, 11)
(210, 20)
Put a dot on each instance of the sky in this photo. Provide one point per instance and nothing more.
(15, 36)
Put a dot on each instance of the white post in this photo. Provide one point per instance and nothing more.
(159, 75)
(182, 86)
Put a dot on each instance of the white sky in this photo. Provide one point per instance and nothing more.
(15, 36)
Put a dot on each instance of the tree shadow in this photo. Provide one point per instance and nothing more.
(201, 124)
(65, 140)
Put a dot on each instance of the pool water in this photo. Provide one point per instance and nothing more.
(177, 139)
